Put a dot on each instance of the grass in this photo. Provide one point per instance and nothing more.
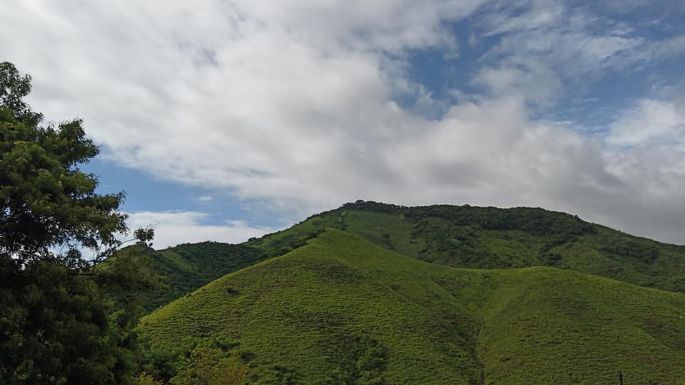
(186, 267)
(487, 237)
(460, 236)
(342, 310)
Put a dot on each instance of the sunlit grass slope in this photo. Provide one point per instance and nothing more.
(186, 267)
(341, 310)
(488, 237)
(460, 236)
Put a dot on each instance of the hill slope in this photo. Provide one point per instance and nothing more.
(186, 267)
(488, 237)
(341, 310)
(461, 236)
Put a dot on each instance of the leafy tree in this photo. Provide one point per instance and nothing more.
(198, 362)
(211, 366)
(57, 324)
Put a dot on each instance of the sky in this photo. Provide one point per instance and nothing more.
(227, 119)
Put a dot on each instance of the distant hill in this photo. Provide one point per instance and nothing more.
(186, 267)
(489, 237)
(341, 310)
(460, 236)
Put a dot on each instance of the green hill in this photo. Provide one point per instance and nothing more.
(488, 237)
(460, 236)
(186, 267)
(341, 310)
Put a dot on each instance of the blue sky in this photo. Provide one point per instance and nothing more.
(228, 119)
(145, 192)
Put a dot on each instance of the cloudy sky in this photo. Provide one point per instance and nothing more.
(224, 119)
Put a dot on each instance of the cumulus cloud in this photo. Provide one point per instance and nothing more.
(174, 227)
(295, 103)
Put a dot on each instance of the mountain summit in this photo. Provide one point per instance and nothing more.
(373, 293)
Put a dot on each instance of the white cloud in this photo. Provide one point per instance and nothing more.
(545, 44)
(648, 154)
(174, 227)
(669, 48)
(531, 79)
(650, 122)
(292, 103)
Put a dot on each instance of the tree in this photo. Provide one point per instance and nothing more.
(57, 321)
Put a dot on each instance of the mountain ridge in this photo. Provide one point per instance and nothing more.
(464, 236)
(423, 323)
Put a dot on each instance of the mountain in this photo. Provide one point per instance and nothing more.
(488, 237)
(343, 310)
(186, 267)
(460, 236)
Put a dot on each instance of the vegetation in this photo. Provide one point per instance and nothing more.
(367, 294)
(186, 267)
(56, 324)
(488, 237)
(341, 310)
(460, 236)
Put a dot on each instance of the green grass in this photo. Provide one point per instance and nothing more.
(341, 310)
(460, 236)
(186, 267)
(487, 237)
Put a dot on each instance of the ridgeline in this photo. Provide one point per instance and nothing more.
(380, 294)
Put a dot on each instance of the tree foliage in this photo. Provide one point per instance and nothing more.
(56, 329)
(58, 324)
(45, 200)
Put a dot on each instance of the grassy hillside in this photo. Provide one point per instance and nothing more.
(341, 310)
(186, 267)
(460, 236)
(487, 237)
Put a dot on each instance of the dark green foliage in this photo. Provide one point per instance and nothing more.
(531, 220)
(215, 361)
(58, 327)
(184, 268)
(45, 201)
(56, 324)
(286, 241)
(276, 375)
(55, 329)
(534, 221)
(13, 88)
(376, 207)
(461, 245)
(360, 360)
(646, 252)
